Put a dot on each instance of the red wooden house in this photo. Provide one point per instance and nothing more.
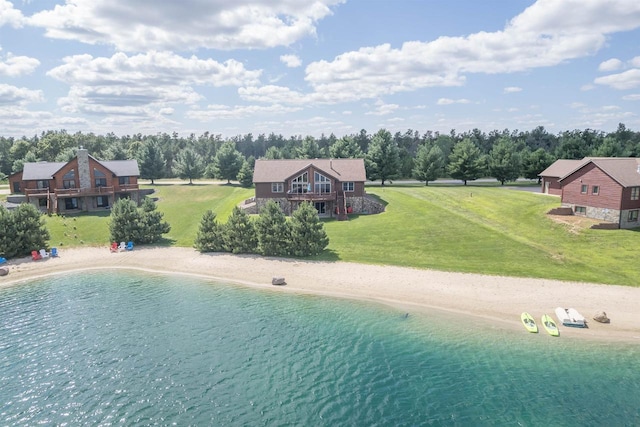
(334, 186)
(82, 184)
(607, 189)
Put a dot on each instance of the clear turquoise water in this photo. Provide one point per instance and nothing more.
(133, 349)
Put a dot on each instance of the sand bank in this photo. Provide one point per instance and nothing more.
(484, 298)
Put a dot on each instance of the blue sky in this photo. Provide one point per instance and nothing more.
(307, 67)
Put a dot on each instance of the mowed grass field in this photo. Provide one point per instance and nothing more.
(475, 229)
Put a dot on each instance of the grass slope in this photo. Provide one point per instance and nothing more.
(475, 229)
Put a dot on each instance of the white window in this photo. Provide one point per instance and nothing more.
(584, 188)
(277, 187)
(635, 193)
(300, 184)
(633, 216)
(595, 190)
(69, 179)
(347, 186)
(322, 183)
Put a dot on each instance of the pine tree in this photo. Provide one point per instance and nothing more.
(273, 231)
(239, 233)
(227, 162)
(153, 227)
(189, 165)
(210, 237)
(245, 175)
(8, 243)
(308, 236)
(28, 230)
(125, 224)
(429, 164)
(151, 161)
(465, 161)
(505, 163)
(383, 159)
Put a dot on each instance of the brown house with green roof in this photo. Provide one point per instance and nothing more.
(334, 186)
(82, 184)
(604, 188)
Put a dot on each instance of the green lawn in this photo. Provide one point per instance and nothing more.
(475, 229)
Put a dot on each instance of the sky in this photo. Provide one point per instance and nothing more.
(312, 67)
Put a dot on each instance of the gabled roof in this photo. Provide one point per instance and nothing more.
(561, 168)
(624, 170)
(121, 167)
(279, 170)
(46, 170)
(40, 170)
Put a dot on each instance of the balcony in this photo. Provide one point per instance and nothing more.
(36, 191)
(311, 197)
(81, 192)
(128, 187)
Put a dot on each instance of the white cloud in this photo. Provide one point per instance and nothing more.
(626, 80)
(218, 112)
(383, 109)
(448, 101)
(12, 95)
(184, 25)
(546, 34)
(291, 61)
(15, 66)
(9, 15)
(512, 89)
(632, 97)
(635, 62)
(612, 64)
(143, 84)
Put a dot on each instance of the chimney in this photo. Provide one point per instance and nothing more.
(84, 174)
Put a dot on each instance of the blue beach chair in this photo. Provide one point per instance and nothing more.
(54, 252)
(2, 260)
(130, 246)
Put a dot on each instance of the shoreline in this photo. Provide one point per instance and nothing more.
(493, 300)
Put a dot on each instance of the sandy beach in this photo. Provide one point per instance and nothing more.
(493, 300)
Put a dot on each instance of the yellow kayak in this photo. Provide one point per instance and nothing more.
(550, 326)
(529, 323)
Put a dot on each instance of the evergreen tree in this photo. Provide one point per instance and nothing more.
(227, 162)
(535, 162)
(309, 149)
(504, 161)
(245, 175)
(273, 153)
(151, 161)
(308, 236)
(465, 161)
(188, 165)
(239, 233)
(25, 231)
(346, 148)
(210, 237)
(429, 164)
(383, 159)
(272, 230)
(153, 227)
(8, 243)
(125, 224)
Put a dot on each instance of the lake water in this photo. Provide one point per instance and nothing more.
(132, 349)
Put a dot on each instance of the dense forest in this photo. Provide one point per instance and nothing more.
(504, 155)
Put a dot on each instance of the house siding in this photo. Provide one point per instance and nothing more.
(551, 185)
(608, 197)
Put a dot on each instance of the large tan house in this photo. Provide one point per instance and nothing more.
(334, 186)
(604, 188)
(82, 184)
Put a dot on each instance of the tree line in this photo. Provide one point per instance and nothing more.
(503, 155)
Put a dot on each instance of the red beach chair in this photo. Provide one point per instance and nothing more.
(114, 247)
(35, 255)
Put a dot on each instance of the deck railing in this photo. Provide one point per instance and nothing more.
(312, 196)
